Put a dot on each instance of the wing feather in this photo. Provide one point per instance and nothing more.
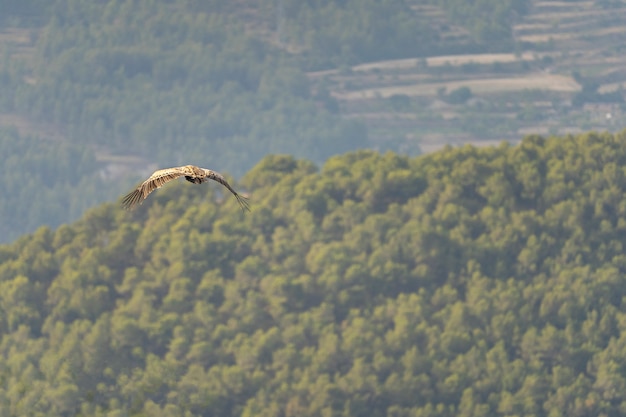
(216, 176)
(156, 180)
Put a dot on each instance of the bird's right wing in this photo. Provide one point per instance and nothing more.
(216, 176)
(156, 180)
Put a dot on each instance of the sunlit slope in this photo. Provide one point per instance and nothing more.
(466, 282)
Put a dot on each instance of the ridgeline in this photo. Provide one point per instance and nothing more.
(468, 282)
(131, 85)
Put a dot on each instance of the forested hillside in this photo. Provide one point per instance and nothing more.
(468, 282)
(489, 21)
(213, 83)
(158, 80)
(163, 82)
(45, 181)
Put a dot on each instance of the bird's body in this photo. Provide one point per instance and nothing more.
(191, 173)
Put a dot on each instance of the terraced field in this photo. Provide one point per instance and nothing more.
(419, 104)
(17, 42)
(423, 103)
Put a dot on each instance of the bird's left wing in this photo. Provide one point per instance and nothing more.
(156, 180)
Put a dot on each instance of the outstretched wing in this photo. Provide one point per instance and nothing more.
(216, 176)
(156, 180)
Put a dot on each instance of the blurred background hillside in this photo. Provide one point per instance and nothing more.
(94, 95)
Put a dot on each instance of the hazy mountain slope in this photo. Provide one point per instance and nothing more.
(47, 182)
(466, 282)
(218, 83)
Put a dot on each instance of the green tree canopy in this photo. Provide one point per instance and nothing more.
(472, 281)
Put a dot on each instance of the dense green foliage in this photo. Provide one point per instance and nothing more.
(469, 282)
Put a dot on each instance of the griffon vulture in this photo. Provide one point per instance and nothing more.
(191, 173)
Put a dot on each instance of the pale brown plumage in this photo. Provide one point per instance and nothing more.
(191, 173)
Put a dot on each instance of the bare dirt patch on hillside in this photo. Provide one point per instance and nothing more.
(435, 61)
(538, 81)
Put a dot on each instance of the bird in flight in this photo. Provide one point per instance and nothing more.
(191, 173)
